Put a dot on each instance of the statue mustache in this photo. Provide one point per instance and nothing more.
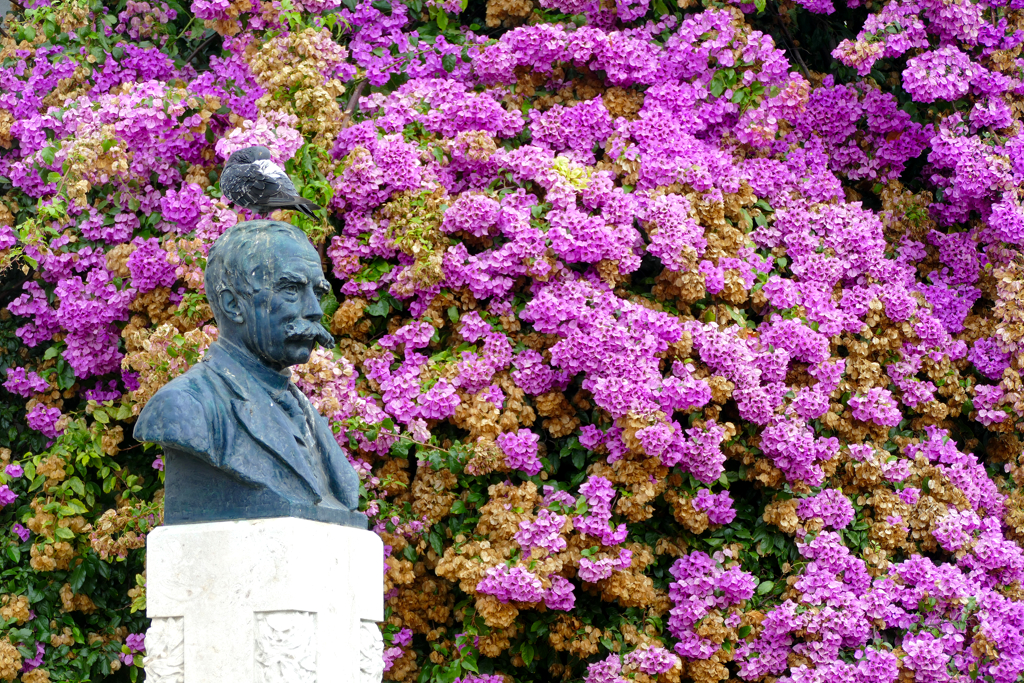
(308, 330)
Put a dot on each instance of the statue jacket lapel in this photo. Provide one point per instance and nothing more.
(342, 475)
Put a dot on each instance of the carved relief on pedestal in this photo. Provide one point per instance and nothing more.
(165, 650)
(285, 647)
(371, 652)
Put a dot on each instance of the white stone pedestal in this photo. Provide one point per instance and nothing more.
(264, 601)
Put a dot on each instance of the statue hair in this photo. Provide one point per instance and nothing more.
(236, 258)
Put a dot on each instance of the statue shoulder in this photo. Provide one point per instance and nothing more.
(177, 415)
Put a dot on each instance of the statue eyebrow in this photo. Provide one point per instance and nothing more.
(289, 278)
(292, 278)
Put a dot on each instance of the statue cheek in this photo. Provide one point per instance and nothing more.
(262, 328)
(262, 319)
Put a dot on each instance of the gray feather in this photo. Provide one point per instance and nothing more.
(252, 181)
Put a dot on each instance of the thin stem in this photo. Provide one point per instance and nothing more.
(353, 102)
(791, 46)
(185, 30)
(200, 46)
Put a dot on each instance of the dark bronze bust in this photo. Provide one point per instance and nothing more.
(240, 440)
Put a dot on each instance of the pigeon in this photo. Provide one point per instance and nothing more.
(252, 181)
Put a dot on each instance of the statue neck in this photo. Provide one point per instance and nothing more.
(274, 380)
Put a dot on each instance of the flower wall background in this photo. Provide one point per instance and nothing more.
(676, 341)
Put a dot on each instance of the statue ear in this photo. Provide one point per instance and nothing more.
(230, 304)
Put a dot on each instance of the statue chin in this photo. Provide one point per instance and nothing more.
(299, 351)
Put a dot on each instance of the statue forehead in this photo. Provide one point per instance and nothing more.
(284, 248)
(269, 248)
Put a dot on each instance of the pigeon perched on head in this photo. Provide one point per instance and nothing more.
(252, 181)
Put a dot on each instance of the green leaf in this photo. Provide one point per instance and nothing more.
(47, 154)
(448, 61)
(760, 5)
(329, 305)
(77, 578)
(101, 416)
(436, 539)
(717, 84)
(526, 652)
(579, 458)
(765, 587)
(380, 307)
(53, 177)
(401, 448)
(453, 314)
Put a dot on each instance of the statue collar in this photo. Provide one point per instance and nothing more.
(270, 380)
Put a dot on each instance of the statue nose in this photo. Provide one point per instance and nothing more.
(311, 306)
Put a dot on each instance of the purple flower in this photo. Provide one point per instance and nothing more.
(14, 470)
(24, 383)
(136, 642)
(149, 266)
(520, 449)
(7, 496)
(35, 662)
(831, 506)
(20, 531)
(544, 532)
(515, 584)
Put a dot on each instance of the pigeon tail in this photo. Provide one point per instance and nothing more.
(306, 206)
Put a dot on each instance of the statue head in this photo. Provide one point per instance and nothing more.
(264, 283)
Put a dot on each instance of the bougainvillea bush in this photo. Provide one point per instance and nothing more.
(676, 341)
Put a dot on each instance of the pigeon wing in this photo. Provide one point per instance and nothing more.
(280, 192)
(247, 186)
(276, 175)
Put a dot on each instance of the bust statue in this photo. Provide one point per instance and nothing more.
(240, 440)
